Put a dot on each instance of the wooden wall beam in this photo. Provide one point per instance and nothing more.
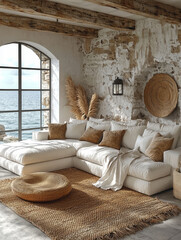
(68, 13)
(47, 26)
(146, 8)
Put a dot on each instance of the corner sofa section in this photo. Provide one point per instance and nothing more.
(145, 175)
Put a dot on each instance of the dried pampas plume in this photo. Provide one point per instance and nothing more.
(82, 101)
(78, 101)
(72, 97)
(93, 106)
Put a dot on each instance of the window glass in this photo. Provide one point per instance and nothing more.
(9, 121)
(45, 99)
(24, 91)
(6, 59)
(10, 97)
(30, 119)
(30, 57)
(30, 100)
(46, 79)
(31, 79)
(8, 78)
(45, 118)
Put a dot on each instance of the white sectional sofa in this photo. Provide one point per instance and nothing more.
(145, 175)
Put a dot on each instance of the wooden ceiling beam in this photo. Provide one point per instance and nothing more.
(146, 8)
(68, 13)
(47, 26)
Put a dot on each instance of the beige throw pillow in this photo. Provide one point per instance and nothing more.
(92, 135)
(158, 145)
(57, 131)
(112, 139)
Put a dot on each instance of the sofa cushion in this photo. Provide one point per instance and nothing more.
(165, 130)
(29, 152)
(142, 143)
(158, 145)
(92, 135)
(57, 131)
(96, 154)
(75, 130)
(112, 139)
(131, 134)
(105, 125)
(96, 120)
(146, 169)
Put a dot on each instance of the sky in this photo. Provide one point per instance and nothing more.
(9, 77)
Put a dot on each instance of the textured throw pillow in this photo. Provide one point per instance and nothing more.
(99, 126)
(142, 143)
(166, 131)
(92, 135)
(158, 145)
(57, 131)
(75, 130)
(112, 139)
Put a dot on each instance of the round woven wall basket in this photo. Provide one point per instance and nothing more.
(161, 95)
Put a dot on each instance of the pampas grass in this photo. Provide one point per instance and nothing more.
(77, 100)
(82, 101)
(72, 98)
(93, 106)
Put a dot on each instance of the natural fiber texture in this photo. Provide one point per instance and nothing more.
(93, 105)
(41, 186)
(89, 213)
(71, 92)
(82, 101)
(112, 139)
(177, 183)
(92, 135)
(161, 95)
(158, 146)
(57, 131)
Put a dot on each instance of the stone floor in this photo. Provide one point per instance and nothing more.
(13, 227)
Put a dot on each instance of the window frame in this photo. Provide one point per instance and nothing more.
(20, 68)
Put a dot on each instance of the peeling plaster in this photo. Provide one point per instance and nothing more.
(154, 47)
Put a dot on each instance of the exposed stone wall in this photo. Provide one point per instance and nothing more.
(153, 47)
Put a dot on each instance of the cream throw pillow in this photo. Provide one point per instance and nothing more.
(92, 135)
(99, 126)
(57, 131)
(158, 145)
(112, 139)
(130, 136)
(75, 130)
(142, 143)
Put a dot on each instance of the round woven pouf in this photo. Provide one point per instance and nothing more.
(41, 186)
(161, 95)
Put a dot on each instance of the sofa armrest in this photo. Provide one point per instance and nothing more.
(173, 157)
(40, 135)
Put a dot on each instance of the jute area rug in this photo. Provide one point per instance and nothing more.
(89, 213)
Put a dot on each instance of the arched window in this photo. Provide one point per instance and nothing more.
(25, 91)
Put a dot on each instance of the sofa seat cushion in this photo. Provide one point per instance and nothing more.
(146, 169)
(96, 154)
(29, 152)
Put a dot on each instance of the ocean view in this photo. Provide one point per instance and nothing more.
(9, 101)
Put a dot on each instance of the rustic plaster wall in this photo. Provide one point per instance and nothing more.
(154, 47)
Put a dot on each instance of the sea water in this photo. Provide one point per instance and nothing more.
(9, 102)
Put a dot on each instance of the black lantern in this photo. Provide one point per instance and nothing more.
(117, 87)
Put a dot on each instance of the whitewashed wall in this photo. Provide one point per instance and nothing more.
(66, 60)
(153, 47)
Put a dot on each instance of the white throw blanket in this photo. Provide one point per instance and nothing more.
(115, 169)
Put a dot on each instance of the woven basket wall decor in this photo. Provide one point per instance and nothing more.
(161, 95)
